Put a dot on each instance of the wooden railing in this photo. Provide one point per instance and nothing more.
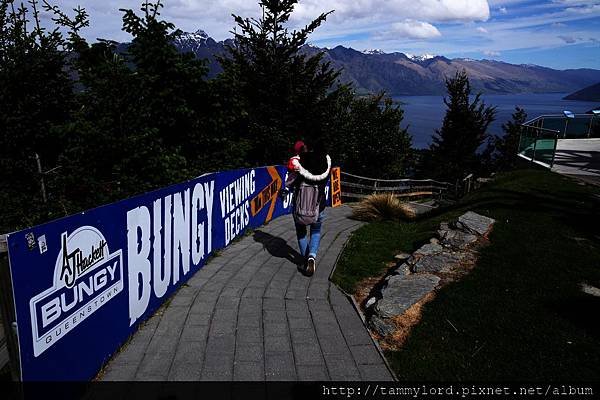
(358, 187)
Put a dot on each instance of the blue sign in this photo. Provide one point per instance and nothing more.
(83, 284)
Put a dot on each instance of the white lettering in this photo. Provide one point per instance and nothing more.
(138, 250)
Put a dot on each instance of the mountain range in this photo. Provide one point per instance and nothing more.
(404, 74)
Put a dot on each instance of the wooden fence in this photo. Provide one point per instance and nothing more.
(357, 187)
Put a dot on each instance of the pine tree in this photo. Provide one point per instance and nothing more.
(281, 91)
(454, 151)
(506, 147)
(36, 96)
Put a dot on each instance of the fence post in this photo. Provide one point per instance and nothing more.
(7, 311)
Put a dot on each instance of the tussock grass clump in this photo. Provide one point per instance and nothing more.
(381, 207)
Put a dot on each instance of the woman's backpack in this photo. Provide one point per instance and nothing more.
(306, 203)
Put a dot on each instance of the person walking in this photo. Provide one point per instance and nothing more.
(309, 203)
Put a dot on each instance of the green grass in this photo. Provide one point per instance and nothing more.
(520, 314)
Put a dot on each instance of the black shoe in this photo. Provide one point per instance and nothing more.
(311, 265)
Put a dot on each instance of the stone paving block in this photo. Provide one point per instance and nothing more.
(303, 336)
(307, 354)
(249, 336)
(300, 323)
(326, 329)
(312, 372)
(299, 314)
(292, 305)
(220, 344)
(377, 372)
(232, 292)
(277, 344)
(172, 320)
(318, 305)
(193, 333)
(163, 343)
(198, 319)
(224, 315)
(280, 367)
(296, 294)
(130, 354)
(275, 316)
(252, 292)
(185, 371)
(219, 328)
(275, 328)
(120, 373)
(248, 371)
(249, 352)
(276, 293)
(365, 354)
(342, 368)
(189, 353)
(248, 320)
(357, 337)
(273, 304)
(227, 303)
(155, 364)
(334, 345)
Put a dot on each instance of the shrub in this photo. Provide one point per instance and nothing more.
(379, 207)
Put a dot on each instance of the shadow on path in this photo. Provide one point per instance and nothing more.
(277, 247)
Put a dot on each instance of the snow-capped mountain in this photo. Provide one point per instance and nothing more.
(191, 41)
(373, 51)
(420, 58)
(398, 73)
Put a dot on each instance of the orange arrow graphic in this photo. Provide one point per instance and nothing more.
(268, 194)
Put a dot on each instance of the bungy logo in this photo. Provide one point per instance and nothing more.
(86, 277)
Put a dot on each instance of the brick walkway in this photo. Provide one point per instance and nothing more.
(249, 314)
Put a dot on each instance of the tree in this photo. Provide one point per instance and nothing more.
(368, 138)
(144, 104)
(454, 151)
(281, 91)
(36, 96)
(506, 147)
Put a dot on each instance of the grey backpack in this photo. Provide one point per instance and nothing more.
(306, 204)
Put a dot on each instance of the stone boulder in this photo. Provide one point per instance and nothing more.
(384, 328)
(441, 262)
(474, 223)
(402, 291)
(455, 238)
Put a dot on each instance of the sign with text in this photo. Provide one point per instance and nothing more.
(82, 284)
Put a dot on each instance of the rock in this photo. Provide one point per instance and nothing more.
(475, 223)
(457, 239)
(434, 241)
(370, 302)
(404, 291)
(402, 256)
(380, 326)
(437, 263)
(403, 269)
(429, 249)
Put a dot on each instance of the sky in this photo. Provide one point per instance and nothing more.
(559, 34)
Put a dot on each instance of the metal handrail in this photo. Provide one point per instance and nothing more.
(557, 116)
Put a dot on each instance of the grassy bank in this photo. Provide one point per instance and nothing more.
(520, 314)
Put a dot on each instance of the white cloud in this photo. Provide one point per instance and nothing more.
(491, 53)
(215, 16)
(481, 29)
(503, 10)
(413, 29)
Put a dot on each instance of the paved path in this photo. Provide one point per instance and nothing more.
(249, 314)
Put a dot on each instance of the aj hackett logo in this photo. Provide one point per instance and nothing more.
(86, 277)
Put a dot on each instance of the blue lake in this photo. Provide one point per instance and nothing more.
(424, 114)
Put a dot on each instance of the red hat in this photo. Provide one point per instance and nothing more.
(299, 146)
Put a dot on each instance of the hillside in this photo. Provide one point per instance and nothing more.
(399, 74)
(590, 93)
